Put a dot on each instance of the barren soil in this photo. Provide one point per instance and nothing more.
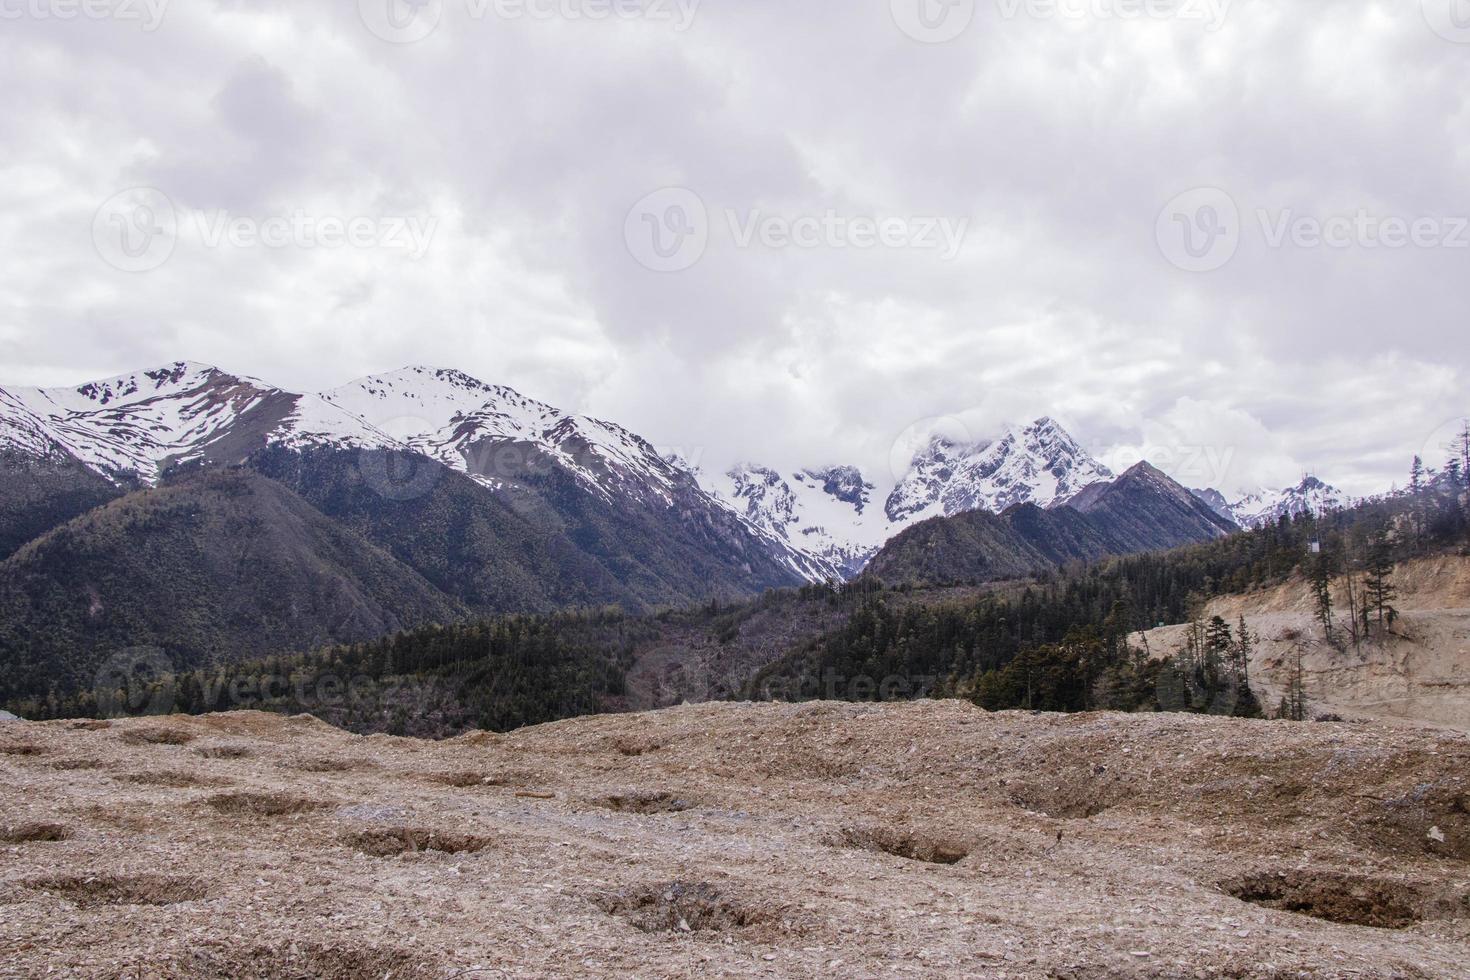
(926, 839)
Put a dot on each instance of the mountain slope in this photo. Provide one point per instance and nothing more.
(540, 542)
(38, 493)
(824, 516)
(644, 517)
(1142, 510)
(546, 508)
(219, 565)
(979, 546)
(492, 432)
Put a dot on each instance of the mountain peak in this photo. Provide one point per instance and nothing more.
(131, 427)
(1143, 468)
(1311, 496)
(1039, 463)
(136, 386)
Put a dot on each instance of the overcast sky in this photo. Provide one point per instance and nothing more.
(1229, 235)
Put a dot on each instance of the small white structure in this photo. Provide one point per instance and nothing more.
(7, 716)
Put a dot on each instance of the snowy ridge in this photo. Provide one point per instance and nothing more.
(131, 426)
(1268, 506)
(828, 515)
(476, 429)
(823, 515)
(1035, 464)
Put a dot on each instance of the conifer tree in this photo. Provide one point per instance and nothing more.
(1320, 575)
(1378, 579)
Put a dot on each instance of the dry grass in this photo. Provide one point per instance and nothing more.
(907, 844)
(224, 752)
(917, 860)
(682, 906)
(172, 780)
(1354, 900)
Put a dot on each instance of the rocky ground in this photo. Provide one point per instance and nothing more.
(927, 839)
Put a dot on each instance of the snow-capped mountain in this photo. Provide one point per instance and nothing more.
(491, 432)
(557, 509)
(130, 427)
(818, 523)
(1268, 506)
(1038, 464)
(829, 515)
(825, 514)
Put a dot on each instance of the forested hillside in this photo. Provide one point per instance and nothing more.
(1060, 644)
(1055, 642)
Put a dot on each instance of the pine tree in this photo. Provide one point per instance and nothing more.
(1378, 579)
(1217, 636)
(1416, 491)
(1246, 704)
(1320, 575)
(1462, 446)
(1296, 690)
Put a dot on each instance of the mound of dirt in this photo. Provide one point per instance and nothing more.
(928, 839)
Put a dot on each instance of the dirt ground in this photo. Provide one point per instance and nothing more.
(915, 840)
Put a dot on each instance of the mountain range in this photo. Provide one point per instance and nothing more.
(830, 514)
(217, 516)
(1311, 496)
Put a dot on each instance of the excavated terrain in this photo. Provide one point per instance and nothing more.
(927, 839)
(1417, 670)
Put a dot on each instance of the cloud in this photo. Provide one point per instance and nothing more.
(1056, 139)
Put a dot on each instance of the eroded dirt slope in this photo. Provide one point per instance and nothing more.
(926, 839)
(1419, 670)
